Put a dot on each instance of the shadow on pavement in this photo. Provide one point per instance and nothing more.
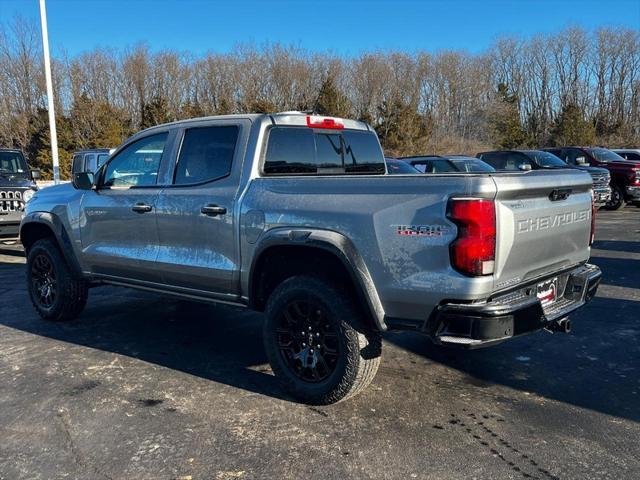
(597, 366)
(618, 245)
(218, 343)
(621, 272)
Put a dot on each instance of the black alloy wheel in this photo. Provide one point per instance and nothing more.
(308, 341)
(43, 281)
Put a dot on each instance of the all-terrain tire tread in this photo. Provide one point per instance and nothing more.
(73, 291)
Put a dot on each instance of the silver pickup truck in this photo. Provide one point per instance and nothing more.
(294, 215)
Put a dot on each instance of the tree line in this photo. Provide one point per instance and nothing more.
(572, 87)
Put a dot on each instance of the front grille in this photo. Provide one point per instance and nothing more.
(600, 180)
(11, 201)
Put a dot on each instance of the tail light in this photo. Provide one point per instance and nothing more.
(592, 237)
(473, 251)
(315, 121)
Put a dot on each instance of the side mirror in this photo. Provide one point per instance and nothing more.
(581, 160)
(35, 174)
(83, 180)
(524, 166)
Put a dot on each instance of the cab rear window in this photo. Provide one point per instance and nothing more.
(305, 151)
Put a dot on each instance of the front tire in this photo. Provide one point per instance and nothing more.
(55, 293)
(316, 341)
(617, 198)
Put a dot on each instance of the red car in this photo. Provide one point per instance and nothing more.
(625, 174)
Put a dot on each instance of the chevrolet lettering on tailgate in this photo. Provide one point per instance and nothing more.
(552, 221)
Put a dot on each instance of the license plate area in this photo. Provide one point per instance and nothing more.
(547, 291)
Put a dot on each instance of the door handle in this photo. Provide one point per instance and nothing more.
(213, 210)
(141, 208)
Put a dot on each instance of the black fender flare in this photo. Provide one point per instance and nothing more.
(338, 245)
(55, 225)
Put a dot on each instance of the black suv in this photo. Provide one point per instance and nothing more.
(17, 186)
(539, 159)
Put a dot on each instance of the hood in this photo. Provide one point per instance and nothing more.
(55, 190)
(591, 170)
(53, 195)
(16, 182)
(622, 165)
(626, 163)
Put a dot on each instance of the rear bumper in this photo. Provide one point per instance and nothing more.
(509, 315)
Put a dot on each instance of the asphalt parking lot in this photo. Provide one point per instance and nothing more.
(147, 387)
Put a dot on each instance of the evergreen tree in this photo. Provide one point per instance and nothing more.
(262, 106)
(402, 130)
(96, 124)
(332, 101)
(155, 112)
(39, 150)
(571, 128)
(506, 126)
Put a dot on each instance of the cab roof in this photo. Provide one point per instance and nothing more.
(289, 118)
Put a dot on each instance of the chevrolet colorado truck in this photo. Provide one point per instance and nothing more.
(293, 215)
(17, 186)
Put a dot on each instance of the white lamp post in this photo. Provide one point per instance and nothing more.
(47, 73)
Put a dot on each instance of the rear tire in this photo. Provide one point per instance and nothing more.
(617, 198)
(54, 292)
(316, 342)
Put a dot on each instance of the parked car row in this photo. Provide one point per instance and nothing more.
(616, 179)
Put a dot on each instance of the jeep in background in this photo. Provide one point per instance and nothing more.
(89, 160)
(540, 159)
(294, 215)
(17, 186)
(625, 175)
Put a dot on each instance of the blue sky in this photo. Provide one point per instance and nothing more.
(343, 27)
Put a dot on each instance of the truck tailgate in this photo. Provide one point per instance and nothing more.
(543, 223)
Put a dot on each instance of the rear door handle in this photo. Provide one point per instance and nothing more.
(213, 210)
(141, 208)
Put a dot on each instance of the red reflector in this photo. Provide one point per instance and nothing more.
(324, 122)
(473, 252)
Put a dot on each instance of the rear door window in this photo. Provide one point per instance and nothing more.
(206, 154)
(304, 151)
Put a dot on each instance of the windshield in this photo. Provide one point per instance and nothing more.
(546, 160)
(399, 166)
(604, 155)
(13, 163)
(471, 165)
